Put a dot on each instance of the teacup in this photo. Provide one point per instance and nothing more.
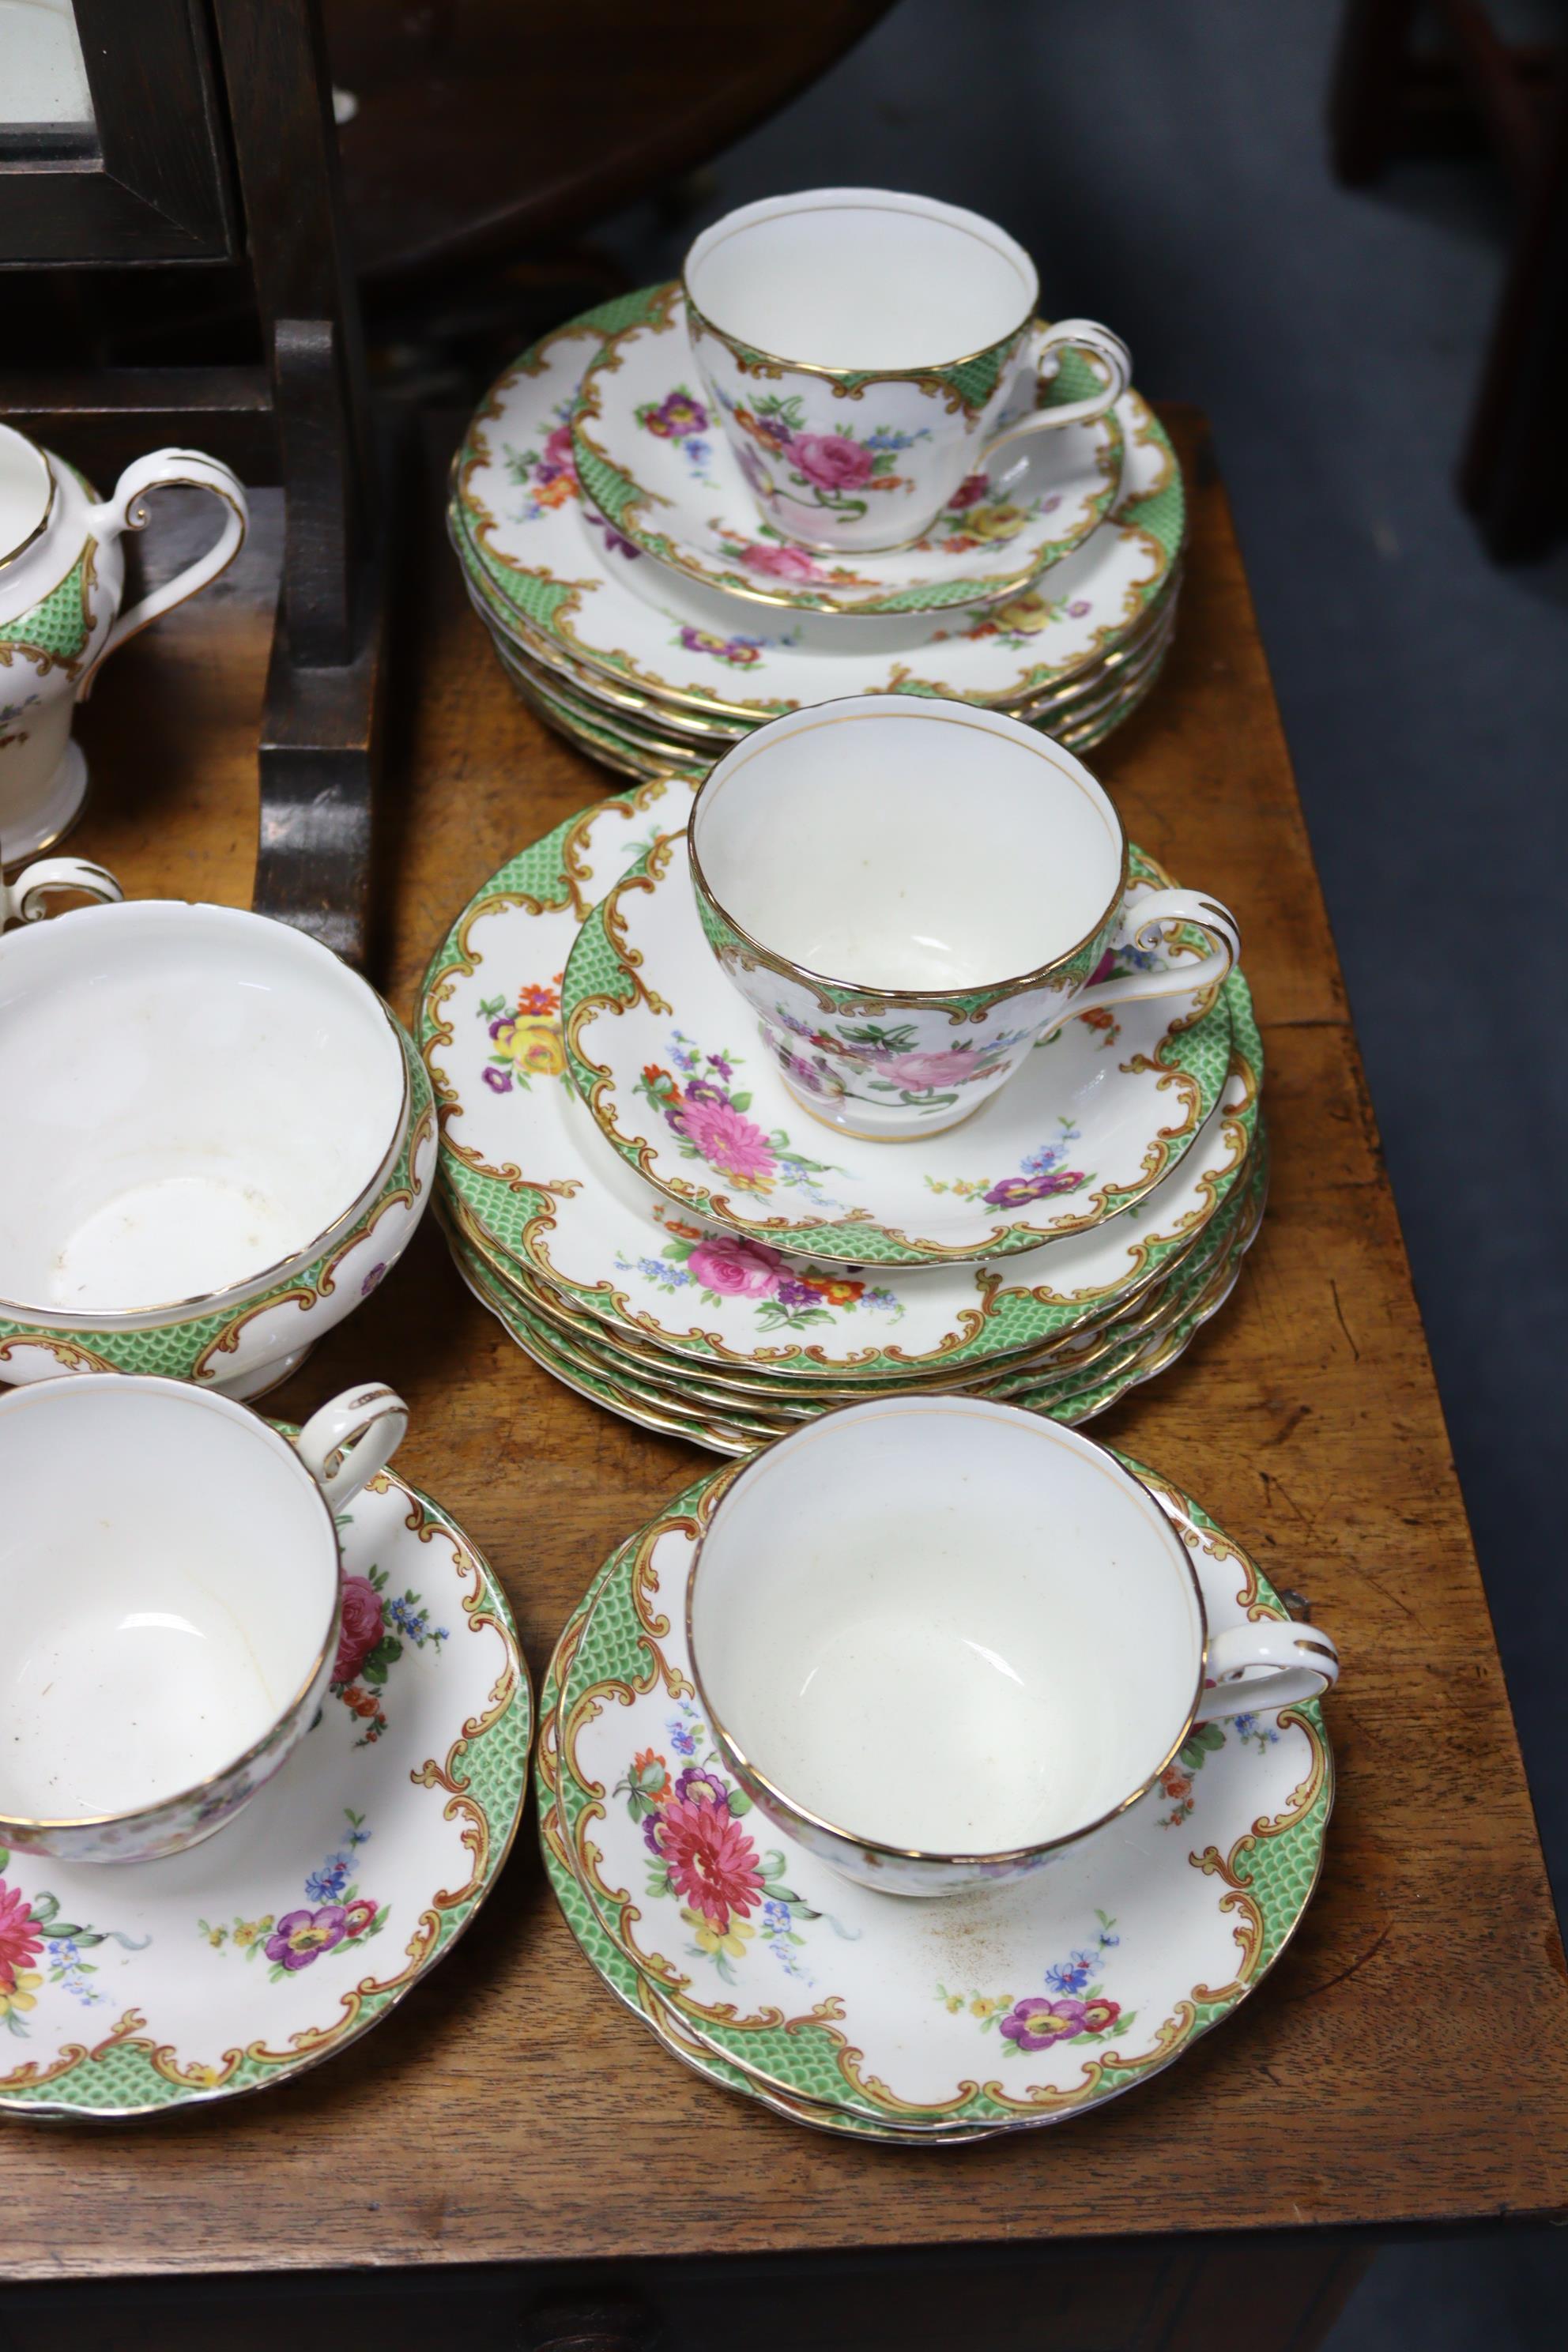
(912, 895)
(217, 1137)
(62, 574)
(868, 353)
(941, 1641)
(170, 1586)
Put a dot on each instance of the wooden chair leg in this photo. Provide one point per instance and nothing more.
(1366, 91)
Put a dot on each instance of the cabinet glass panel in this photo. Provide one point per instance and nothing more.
(46, 106)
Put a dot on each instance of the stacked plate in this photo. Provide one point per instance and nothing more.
(914, 2023)
(611, 545)
(1065, 1243)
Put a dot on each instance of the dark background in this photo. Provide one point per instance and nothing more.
(1166, 161)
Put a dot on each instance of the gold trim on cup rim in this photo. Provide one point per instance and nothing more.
(34, 1392)
(956, 714)
(842, 200)
(875, 1847)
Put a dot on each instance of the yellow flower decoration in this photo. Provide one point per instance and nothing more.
(732, 1942)
(534, 1045)
(246, 1931)
(993, 524)
(22, 1995)
(1025, 616)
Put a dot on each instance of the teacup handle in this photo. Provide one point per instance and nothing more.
(22, 901)
(350, 1440)
(1302, 1661)
(1084, 334)
(1162, 907)
(126, 509)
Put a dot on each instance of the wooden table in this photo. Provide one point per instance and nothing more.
(1407, 2061)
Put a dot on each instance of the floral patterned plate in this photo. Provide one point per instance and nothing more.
(173, 1983)
(1031, 2002)
(1069, 1397)
(708, 730)
(659, 467)
(635, 1992)
(585, 588)
(612, 746)
(785, 1402)
(670, 1383)
(1092, 1121)
(609, 726)
(583, 1225)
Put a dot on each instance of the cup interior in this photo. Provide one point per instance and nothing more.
(908, 844)
(861, 277)
(168, 1583)
(23, 489)
(946, 1627)
(194, 1095)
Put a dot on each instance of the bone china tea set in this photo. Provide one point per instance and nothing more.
(849, 1095)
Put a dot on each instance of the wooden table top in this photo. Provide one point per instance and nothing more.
(1408, 2060)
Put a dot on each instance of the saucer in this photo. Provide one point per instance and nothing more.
(546, 1192)
(781, 1403)
(1048, 1380)
(269, 1947)
(610, 742)
(653, 456)
(708, 730)
(521, 527)
(738, 1429)
(635, 1992)
(1098, 1114)
(1030, 2001)
(1075, 715)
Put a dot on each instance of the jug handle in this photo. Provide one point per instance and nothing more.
(126, 509)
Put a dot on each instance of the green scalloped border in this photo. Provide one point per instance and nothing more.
(492, 1769)
(633, 1990)
(174, 1349)
(1278, 1871)
(622, 501)
(543, 599)
(597, 975)
(1064, 1392)
(508, 1207)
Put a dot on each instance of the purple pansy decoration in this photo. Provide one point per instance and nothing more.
(1036, 2024)
(301, 1937)
(700, 1786)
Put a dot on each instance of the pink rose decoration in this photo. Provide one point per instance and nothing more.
(558, 450)
(734, 1268)
(830, 460)
(362, 1627)
(939, 1069)
(970, 491)
(782, 562)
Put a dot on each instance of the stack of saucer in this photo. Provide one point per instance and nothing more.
(1062, 1245)
(655, 590)
(1025, 1995)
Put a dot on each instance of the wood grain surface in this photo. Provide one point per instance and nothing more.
(1408, 2060)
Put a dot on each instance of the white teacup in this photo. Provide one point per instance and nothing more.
(940, 1641)
(911, 895)
(866, 352)
(216, 1138)
(170, 1588)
